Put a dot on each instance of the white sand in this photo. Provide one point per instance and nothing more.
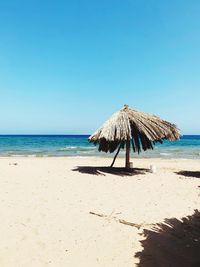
(45, 207)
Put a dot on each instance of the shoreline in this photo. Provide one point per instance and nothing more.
(94, 157)
(101, 158)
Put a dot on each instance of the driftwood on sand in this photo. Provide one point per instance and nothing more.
(138, 226)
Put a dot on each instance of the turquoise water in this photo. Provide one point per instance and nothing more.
(188, 147)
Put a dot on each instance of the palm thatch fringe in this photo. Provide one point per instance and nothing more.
(141, 129)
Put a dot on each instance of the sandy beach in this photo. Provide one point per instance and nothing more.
(63, 212)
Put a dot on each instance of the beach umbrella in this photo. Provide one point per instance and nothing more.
(128, 127)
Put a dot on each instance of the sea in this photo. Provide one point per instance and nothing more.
(188, 147)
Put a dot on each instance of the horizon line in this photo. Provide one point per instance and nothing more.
(60, 134)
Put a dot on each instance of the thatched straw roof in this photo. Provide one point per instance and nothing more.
(142, 129)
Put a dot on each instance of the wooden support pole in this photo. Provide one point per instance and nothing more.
(115, 156)
(127, 154)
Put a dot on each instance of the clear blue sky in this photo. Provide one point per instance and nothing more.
(66, 66)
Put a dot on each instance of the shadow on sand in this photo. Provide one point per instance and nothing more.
(111, 170)
(194, 174)
(175, 244)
